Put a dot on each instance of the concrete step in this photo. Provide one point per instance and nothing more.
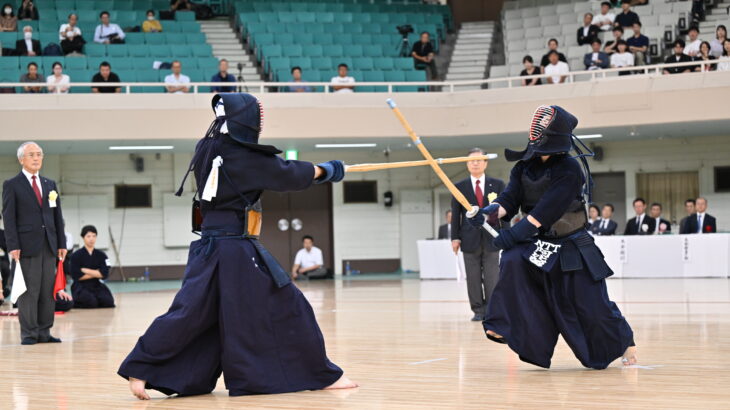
(475, 70)
(717, 17)
(470, 61)
(463, 76)
(227, 47)
(227, 36)
(236, 57)
(474, 35)
(482, 51)
(471, 46)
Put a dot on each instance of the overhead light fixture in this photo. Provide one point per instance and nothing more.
(345, 145)
(589, 136)
(140, 147)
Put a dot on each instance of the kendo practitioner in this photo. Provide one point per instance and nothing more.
(89, 266)
(552, 275)
(237, 311)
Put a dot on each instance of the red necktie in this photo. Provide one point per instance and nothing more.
(37, 191)
(479, 194)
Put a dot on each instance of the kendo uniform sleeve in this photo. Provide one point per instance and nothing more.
(511, 198)
(101, 259)
(565, 184)
(76, 262)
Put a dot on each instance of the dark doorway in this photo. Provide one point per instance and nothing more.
(289, 216)
(610, 188)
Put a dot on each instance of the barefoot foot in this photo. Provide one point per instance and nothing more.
(343, 383)
(136, 386)
(493, 334)
(629, 358)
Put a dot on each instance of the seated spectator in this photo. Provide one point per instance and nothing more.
(296, 77)
(341, 83)
(88, 266)
(309, 261)
(678, 57)
(622, 58)
(717, 43)
(70, 36)
(610, 47)
(693, 47)
(552, 46)
(661, 225)
(423, 56)
(151, 25)
(8, 21)
(638, 44)
(596, 59)
(641, 224)
(724, 64)
(105, 75)
(107, 32)
(626, 18)
(698, 11)
(28, 46)
(605, 225)
(605, 19)
(32, 76)
(178, 82)
(27, 11)
(557, 69)
(176, 5)
(222, 76)
(705, 55)
(530, 69)
(689, 208)
(701, 221)
(58, 82)
(594, 214)
(588, 32)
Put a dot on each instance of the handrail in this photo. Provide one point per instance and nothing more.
(266, 86)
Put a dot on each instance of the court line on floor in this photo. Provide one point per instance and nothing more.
(428, 361)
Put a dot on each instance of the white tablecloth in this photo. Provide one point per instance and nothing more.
(437, 260)
(667, 256)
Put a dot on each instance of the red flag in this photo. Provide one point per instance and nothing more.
(60, 280)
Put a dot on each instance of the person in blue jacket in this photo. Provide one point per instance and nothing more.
(237, 311)
(552, 275)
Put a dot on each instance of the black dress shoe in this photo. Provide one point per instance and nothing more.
(51, 339)
(477, 318)
(28, 341)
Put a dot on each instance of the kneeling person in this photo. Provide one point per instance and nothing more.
(88, 266)
(309, 261)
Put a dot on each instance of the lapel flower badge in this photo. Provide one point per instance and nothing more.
(52, 196)
(491, 196)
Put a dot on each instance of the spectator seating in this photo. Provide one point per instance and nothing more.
(181, 39)
(319, 35)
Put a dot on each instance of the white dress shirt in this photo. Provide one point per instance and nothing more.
(625, 59)
(306, 259)
(604, 223)
(29, 44)
(657, 222)
(693, 47)
(62, 31)
(103, 32)
(601, 18)
(557, 71)
(639, 222)
(182, 79)
(29, 177)
(700, 222)
(347, 80)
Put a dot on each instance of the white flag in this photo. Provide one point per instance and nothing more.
(18, 283)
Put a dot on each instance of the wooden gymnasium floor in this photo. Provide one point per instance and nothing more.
(410, 345)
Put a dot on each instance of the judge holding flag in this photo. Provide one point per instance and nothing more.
(35, 238)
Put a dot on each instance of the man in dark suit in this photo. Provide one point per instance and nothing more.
(481, 258)
(35, 237)
(605, 226)
(588, 32)
(689, 207)
(445, 229)
(28, 46)
(661, 225)
(640, 224)
(596, 59)
(701, 221)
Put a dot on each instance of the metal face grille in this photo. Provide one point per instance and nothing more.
(541, 119)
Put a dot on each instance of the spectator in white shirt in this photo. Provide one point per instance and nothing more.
(557, 69)
(339, 83)
(604, 20)
(70, 35)
(106, 32)
(622, 58)
(69, 26)
(693, 45)
(309, 261)
(58, 82)
(178, 83)
(724, 64)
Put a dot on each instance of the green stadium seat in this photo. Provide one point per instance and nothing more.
(354, 50)
(322, 63)
(188, 62)
(174, 38)
(189, 26)
(179, 50)
(160, 51)
(117, 50)
(159, 4)
(48, 38)
(395, 76)
(139, 4)
(346, 39)
(403, 64)
(85, 16)
(306, 17)
(313, 50)
(202, 50)
(414, 75)
(87, 30)
(208, 63)
(8, 39)
(342, 60)
(154, 38)
(95, 50)
(195, 38)
(290, 38)
(7, 63)
(353, 28)
(278, 63)
(139, 50)
(326, 17)
(185, 16)
(274, 50)
(142, 63)
(287, 17)
(282, 75)
(65, 4)
(82, 5)
(372, 50)
(120, 64)
(373, 76)
(362, 63)
(107, 5)
(76, 63)
(134, 38)
(147, 76)
(196, 75)
(333, 50)
(292, 50)
(170, 26)
(383, 63)
(47, 62)
(316, 29)
(126, 76)
(25, 60)
(304, 62)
